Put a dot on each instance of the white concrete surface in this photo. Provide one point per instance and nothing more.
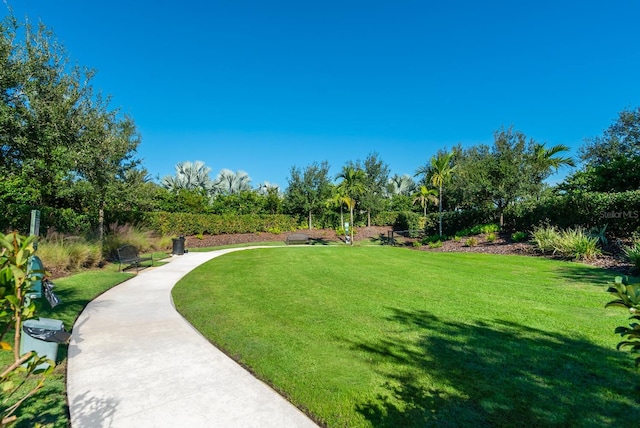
(135, 362)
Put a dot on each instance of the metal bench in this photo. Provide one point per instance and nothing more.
(297, 238)
(128, 255)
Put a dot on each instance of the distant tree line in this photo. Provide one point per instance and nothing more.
(64, 151)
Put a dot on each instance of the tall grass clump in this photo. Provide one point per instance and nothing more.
(632, 253)
(545, 238)
(570, 243)
(143, 240)
(61, 253)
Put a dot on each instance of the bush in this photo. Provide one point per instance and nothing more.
(632, 253)
(410, 221)
(518, 236)
(436, 244)
(471, 242)
(570, 243)
(545, 238)
(191, 224)
(491, 237)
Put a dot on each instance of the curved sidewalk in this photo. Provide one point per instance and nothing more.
(135, 362)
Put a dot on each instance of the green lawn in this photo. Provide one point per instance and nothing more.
(49, 407)
(381, 336)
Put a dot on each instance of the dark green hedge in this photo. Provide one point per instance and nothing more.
(193, 224)
(619, 211)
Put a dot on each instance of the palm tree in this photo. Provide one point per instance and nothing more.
(189, 176)
(439, 173)
(228, 182)
(424, 196)
(545, 160)
(401, 185)
(350, 189)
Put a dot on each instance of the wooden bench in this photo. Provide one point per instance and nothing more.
(297, 238)
(128, 255)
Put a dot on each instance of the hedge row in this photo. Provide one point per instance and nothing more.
(211, 224)
(620, 212)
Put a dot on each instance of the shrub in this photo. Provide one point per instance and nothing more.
(599, 233)
(632, 253)
(433, 238)
(577, 244)
(491, 237)
(410, 221)
(545, 238)
(518, 236)
(471, 242)
(417, 244)
(436, 244)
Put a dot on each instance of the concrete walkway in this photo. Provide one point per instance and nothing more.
(135, 362)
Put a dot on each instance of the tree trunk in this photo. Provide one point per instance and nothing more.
(101, 222)
(310, 225)
(351, 225)
(368, 218)
(440, 208)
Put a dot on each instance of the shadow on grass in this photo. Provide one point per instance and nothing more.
(318, 241)
(574, 272)
(444, 373)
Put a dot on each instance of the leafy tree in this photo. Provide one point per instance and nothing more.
(610, 162)
(351, 189)
(439, 172)
(58, 139)
(308, 191)
(375, 182)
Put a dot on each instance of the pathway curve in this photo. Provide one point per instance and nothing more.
(135, 362)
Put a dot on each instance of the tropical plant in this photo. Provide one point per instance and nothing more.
(599, 233)
(545, 238)
(471, 242)
(632, 253)
(401, 185)
(189, 176)
(423, 196)
(228, 182)
(628, 297)
(351, 189)
(15, 307)
(439, 172)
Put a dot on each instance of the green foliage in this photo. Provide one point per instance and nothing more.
(620, 211)
(385, 218)
(491, 237)
(417, 244)
(432, 238)
(408, 220)
(308, 192)
(15, 308)
(69, 254)
(600, 234)
(164, 223)
(628, 297)
(518, 236)
(471, 242)
(632, 253)
(455, 221)
(573, 243)
(436, 244)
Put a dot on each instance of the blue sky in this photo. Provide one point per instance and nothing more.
(262, 86)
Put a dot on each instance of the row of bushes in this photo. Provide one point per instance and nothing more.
(194, 224)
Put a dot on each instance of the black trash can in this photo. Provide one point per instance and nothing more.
(178, 246)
